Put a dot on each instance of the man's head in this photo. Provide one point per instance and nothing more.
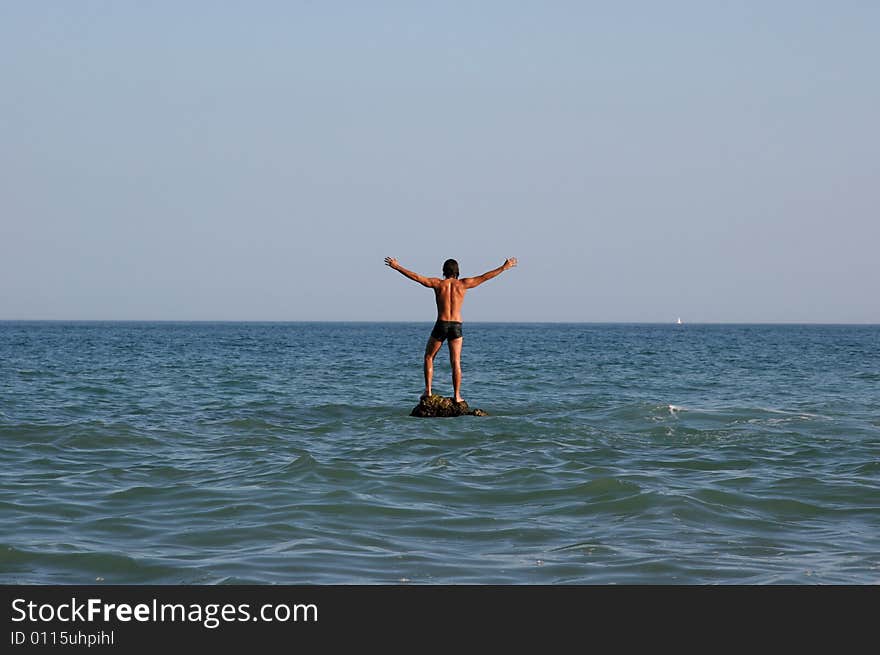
(450, 268)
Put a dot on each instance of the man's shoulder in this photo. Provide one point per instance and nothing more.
(454, 284)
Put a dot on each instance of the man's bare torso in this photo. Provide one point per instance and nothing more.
(450, 297)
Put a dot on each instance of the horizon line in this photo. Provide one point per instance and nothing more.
(426, 321)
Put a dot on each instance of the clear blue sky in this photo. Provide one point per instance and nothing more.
(718, 161)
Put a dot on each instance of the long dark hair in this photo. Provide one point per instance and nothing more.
(450, 268)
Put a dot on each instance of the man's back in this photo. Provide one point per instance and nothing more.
(449, 294)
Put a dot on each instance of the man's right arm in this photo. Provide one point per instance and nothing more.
(471, 282)
(415, 277)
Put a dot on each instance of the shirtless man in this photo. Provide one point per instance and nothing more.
(449, 293)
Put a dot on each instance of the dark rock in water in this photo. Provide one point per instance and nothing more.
(440, 406)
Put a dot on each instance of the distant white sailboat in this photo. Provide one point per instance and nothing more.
(678, 322)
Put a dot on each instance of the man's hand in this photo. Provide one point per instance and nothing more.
(510, 262)
(390, 261)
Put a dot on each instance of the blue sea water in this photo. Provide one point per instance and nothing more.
(208, 453)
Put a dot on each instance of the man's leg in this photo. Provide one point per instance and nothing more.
(430, 353)
(455, 361)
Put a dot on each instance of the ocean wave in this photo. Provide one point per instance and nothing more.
(68, 564)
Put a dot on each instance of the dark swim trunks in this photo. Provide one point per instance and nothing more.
(446, 330)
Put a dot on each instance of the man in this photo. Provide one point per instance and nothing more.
(449, 293)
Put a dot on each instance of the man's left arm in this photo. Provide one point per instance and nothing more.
(415, 277)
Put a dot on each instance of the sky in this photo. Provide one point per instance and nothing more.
(644, 161)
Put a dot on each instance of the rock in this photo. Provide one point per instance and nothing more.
(440, 406)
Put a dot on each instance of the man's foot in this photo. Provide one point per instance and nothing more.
(458, 401)
(425, 395)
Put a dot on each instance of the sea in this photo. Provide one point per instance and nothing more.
(199, 453)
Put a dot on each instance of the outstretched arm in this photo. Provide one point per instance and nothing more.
(471, 282)
(415, 277)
